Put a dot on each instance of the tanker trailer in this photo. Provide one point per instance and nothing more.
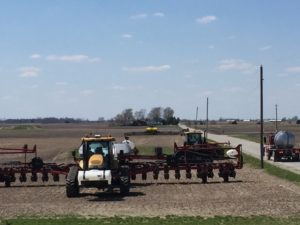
(280, 145)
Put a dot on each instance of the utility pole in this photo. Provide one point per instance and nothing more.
(207, 114)
(196, 114)
(261, 119)
(276, 125)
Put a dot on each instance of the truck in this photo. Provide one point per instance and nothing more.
(281, 146)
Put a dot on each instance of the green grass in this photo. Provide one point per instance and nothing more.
(149, 150)
(272, 169)
(25, 127)
(248, 137)
(170, 220)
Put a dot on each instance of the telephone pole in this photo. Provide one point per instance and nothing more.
(261, 119)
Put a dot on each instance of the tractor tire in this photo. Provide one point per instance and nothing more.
(124, 181)
(37, 163)
(72, 187)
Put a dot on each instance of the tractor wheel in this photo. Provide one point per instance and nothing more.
(124, 180)
(72, 187)
(37, 163)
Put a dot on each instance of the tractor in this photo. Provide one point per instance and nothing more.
(98, 166)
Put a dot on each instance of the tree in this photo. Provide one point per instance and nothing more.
(125, 118)
(294, 118)
(168, 114)
(155, 114)
(140, 115)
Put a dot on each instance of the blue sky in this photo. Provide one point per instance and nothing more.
(94, 58)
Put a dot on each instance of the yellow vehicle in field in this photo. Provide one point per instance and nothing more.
(151, 130)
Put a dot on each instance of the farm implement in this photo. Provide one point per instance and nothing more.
(102, 163)
(107, 165)
(10, 171)
(195, 154)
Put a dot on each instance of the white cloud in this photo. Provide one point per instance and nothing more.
(35, 56)
(206, 19)
(29, 72)
(117, 87)
(147, 68)
(235, 64)
(72, 58)
(265, 48)
(127, 36)
(158, 14)
(139, 16)
(295, 69)
(61, 83)
(86, 93)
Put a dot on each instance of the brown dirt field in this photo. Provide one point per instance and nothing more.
(252, 193)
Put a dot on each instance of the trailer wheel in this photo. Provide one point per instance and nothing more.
(269, 154)
(276, 157)
(296, 158)
(124, 180)
(72, 187)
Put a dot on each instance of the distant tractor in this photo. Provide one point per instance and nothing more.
(98, 166)
(151, 130)
(194, 137)
(280, 146)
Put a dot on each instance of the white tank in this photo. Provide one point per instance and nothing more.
(117, 147)
(284, 139)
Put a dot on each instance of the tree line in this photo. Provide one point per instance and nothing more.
(156, 116)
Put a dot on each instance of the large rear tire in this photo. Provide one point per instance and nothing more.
(72, 187)
(124, 180)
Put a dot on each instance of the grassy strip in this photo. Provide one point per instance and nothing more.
(248, 137)
(272, 169)
(149, 150)
(174, 220)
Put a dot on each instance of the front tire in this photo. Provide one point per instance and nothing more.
(72, 187)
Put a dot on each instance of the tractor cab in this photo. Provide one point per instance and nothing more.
(98, 166)
(194, 138)
(95, 152)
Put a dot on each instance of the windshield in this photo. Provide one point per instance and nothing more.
(95, 148)
(194, 138)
